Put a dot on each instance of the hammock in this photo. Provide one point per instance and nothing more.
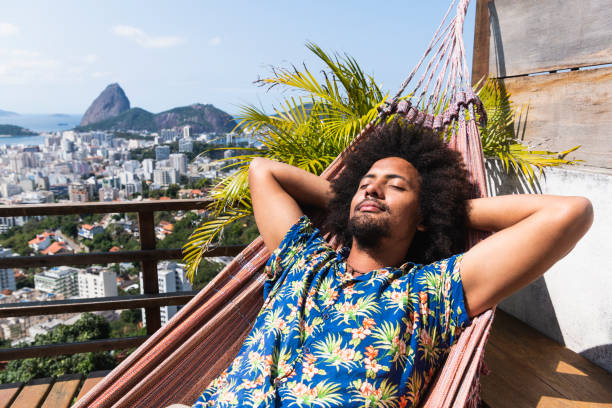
(178, 362)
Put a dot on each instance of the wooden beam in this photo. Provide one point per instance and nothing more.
(530, 36)
(149, 269)
(102, 207)
(71, 348)
(94, 304)
(92, 258)
(564, 110)
(480, 58)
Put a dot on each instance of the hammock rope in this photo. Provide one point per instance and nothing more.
(178, 361)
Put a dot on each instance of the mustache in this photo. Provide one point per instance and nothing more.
(377, 203)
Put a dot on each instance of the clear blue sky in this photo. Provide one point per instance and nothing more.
(57, 56)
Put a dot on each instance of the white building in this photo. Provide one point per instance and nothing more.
(168, 135)
(97, 282)
(7, 276)
(165, 176)
(148, 165)
(170, 278)
(131, 166)
(59, 280)
(178, 161)
(187, 132)
(185, 146)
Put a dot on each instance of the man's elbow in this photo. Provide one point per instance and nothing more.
(577, 214)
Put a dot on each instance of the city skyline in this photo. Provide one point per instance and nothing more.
(56, 58)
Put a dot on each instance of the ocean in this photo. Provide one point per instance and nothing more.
(37, 123)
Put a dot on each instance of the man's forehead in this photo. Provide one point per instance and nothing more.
(395, 167)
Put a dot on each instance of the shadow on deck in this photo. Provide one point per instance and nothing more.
(529, 369)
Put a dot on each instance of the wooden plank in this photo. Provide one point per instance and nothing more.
(530, 36)
(528, 370)
(102, 207)
(480, 57)
(92, 258)
(63, 391)
(33, 394)
(567, 109)
(149, 269)
(92, 379)
(8, 393)
(71, 348)
(94, 304)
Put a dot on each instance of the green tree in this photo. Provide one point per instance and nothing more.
(172, 190)
(88, 327)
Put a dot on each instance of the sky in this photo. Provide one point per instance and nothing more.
(56, 57)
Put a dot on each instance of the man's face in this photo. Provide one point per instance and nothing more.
(385, 205)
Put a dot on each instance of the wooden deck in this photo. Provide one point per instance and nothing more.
(46, 393)
(528, 370)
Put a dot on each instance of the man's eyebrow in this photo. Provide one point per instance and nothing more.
(388, 176)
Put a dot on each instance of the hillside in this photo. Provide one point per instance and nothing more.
(201, 118)
(133, 119)
(12, 130)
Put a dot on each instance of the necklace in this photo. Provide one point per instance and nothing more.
(352, 270)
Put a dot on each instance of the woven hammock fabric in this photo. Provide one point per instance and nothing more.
(177, 362)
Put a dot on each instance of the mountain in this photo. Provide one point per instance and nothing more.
(201, 118)
(110, 103)
(7, 113)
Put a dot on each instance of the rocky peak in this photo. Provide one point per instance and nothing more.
(110, 103)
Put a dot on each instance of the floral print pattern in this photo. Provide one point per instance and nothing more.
(325, 338)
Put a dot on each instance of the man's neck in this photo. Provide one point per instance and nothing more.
(364, 260)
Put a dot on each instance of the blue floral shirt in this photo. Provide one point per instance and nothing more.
(325, 338)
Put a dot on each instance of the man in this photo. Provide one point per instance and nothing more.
(370, 325)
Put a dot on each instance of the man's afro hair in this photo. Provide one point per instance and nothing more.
(444, 188)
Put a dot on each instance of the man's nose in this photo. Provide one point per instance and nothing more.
(374, 189)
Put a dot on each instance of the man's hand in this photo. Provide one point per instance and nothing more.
(533, 232)
(277, 191)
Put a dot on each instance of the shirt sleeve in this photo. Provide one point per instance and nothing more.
(442, 299)
(299, 239)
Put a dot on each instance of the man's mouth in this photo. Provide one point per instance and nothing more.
(371, 206)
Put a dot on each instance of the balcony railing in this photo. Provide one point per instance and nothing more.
(148, 256)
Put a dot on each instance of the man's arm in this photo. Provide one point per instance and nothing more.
(277, 191)
(533, 232)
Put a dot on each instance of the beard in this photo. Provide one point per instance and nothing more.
(367, 231)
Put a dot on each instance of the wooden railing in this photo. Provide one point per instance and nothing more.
(148, 256)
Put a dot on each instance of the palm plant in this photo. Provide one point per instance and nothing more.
(311, 129)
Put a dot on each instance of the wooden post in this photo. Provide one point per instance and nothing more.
(480, 59)
(146, 225)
